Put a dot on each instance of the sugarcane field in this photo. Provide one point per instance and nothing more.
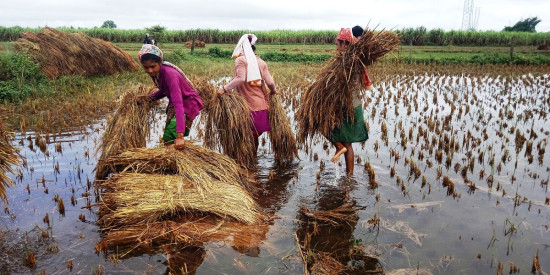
(352, 153)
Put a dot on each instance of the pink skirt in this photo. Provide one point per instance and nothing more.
(260, 122)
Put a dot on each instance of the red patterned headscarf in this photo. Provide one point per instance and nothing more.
(345, 34)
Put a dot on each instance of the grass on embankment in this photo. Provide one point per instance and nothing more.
(34, 101)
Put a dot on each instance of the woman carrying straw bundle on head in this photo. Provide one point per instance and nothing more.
(250, 77)
(352, 130)
(184, 102)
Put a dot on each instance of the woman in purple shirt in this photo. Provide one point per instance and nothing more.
(184, 102)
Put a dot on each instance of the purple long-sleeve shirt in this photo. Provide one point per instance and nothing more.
(185, 99)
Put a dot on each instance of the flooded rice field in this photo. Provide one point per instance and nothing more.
(453, 180)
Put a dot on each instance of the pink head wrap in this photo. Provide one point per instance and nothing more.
(149, 48)
(346, 34)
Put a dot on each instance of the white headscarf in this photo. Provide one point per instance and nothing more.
(244, 47)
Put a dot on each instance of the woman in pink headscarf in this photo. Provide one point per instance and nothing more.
(250, 77)
(352, 130)
(184, 103)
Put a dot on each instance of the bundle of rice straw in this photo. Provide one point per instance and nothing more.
(228, 124)
(9, 156)
(346, 213)
(128, 128)
(194, 230)
(283, 140)
(207, 91)
(132, 198)
(60, 53)
(330, 98)
(195, 164)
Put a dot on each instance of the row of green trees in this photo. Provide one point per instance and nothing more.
(411, 36)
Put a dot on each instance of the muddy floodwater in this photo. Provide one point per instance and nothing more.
(452, 180)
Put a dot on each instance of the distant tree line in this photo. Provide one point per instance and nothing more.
(527, 25)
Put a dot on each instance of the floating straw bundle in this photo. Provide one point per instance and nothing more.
(60, 53)
(198, 165)
(131, 198)
(324, 263)
(8, 156)
(330, 98)
(346, 213)
(283, 141)
(128, 128)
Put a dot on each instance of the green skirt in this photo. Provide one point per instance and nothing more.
(351, 132)
(170, 132)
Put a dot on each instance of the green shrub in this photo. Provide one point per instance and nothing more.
(219, 53)
(19, 77)
(295, 57)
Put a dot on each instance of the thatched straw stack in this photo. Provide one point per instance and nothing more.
(283, 140)
(330, 98)
(128, 128)
(60, 53)
(133, 198)
(195, 164)
(228, 124)
(9, 156)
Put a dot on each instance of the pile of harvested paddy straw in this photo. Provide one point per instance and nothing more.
(228, 124)
(133, 198)
(330, 98)
(204, 168)
(60, 53)
(9, 157)
(128, 128)
(283, 140)
(167, 195)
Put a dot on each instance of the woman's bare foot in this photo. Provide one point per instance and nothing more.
(338, 154)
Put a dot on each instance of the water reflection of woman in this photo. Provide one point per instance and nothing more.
(352, 130)
(326, 233)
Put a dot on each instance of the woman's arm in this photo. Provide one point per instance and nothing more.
(240, 75)
(157, 95)
(269, 80)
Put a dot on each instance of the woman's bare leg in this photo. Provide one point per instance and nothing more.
(256, 143)
(340, 149)
(349, 156)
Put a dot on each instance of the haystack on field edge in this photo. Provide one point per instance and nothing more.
(61, 53)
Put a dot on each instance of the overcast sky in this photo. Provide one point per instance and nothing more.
(267, 15)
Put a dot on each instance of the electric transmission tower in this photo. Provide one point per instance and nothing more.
(470, 16)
